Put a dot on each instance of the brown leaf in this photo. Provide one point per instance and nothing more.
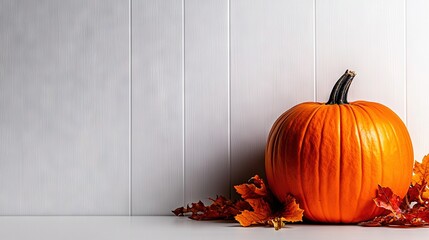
(221, 208)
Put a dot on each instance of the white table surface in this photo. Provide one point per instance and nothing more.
(124, 228)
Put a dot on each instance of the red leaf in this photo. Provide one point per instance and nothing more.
(413, 210)
(388, 200)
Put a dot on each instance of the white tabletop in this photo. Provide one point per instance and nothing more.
(125, 228)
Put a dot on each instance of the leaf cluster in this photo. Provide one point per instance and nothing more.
(257, 206)
(410, 211)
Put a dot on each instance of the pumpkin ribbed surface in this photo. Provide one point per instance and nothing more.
(332, 157)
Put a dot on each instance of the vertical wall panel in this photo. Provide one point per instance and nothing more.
(417, 79)
(206, 99)
(64, 107)
(157, 106)
(365, 36)
(271, 70)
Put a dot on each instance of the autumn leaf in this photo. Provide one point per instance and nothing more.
(418, 214)
(266, 209)
(421, 177)
(291, 211)
(255, 189)
(415, 194)
(388, 200)
(260, 214)
(263, 214)
(421, 171)
(425, 193)
(256, 206)
(413, 210)
(220, 208)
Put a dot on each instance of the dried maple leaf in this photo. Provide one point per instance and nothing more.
(414, 217)
(418, 214)
(221, 208)
(421, 177)
(425, 193)
(388, 200)
(413, 210)
(421, 171)
(257, 206)
(415, 193)
(256, 188)
(260, 214)
(291, 211)
(263, 214)
(265, 208)
(385, 198)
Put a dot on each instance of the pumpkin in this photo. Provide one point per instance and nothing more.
(332, 156)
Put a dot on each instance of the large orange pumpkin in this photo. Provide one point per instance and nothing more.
(332, 156)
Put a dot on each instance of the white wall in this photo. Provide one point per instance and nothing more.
(92, 126)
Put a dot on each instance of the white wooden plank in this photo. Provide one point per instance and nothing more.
(417, 83)
(64, 107)
(206, 99)
(271, 70)
(367, 37)
(157, 106)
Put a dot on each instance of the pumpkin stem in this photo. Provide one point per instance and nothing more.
(342, 97)
(341, 88)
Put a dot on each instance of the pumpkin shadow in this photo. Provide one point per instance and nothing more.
(246, 163)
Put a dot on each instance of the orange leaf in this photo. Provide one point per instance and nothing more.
(257, 206)
(260, 215)
(266, 208)
(255, 189)
(421, 171)
(291, 211)
(263, 214)
(425, 194)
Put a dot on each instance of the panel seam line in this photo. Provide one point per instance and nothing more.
(229, 99)
(130, 78)
(314, 53)
(405, 64)
(183, 106)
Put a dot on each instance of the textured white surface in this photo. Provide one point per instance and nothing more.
(157, 106)
(64, 107)
(271, 70)
(130, 228)
(206, 99)
(417, 77)
(367, 37)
